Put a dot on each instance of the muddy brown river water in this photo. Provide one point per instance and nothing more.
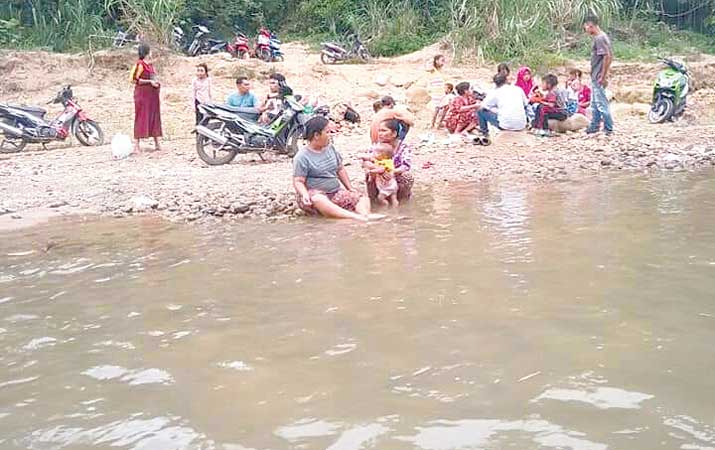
(577, 315)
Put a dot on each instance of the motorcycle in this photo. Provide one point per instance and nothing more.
(123, 38)
(224, 132)
(332, 53)
(263, 45)
(21, 125)
(670, 93)
(202, 44)
(178, 39)
(239, 48)
(275, 45)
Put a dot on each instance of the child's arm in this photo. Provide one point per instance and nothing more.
(366, 157)
(377, 170)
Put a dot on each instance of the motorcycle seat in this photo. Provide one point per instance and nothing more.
(335, 47)
(216, 41)
(34, 110)
(246, 113)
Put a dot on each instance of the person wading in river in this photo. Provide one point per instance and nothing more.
(601, 59)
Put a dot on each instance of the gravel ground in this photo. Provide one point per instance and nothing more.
(176, 184)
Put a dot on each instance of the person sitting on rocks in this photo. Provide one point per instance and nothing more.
(461, 118)
(320, 180)
(503, 69)
(525, 80)
(441, 112)
(504, 107)
(552, 106)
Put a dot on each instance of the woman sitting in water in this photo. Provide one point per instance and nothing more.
(318, 174)
(388, 133)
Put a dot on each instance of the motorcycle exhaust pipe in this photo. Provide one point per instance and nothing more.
(211, 134)
(11, 131)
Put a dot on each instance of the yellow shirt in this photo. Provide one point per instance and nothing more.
(388, 164)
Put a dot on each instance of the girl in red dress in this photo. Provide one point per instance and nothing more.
(147, 112)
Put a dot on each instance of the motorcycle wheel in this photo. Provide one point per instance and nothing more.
(209, 152)
(279, 58)
(88, 133)
(265, 55)
(293, 140)
(661, 110)
(364, 55)
(327, 59)
(242, 54)
(11, 145)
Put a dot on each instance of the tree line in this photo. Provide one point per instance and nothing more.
(492, 29)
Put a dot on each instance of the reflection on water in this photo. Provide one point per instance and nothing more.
(569, 316)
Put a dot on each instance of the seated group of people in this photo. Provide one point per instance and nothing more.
(513, 107)
(322, 184)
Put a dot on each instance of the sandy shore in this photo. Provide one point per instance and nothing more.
(175, 183)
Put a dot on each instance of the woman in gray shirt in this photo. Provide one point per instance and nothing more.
(319, 177)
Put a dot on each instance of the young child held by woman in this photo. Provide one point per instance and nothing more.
(381, 167)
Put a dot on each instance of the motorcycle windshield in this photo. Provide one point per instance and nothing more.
(668, 78)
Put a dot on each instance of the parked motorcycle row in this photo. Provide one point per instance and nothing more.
(267, 45)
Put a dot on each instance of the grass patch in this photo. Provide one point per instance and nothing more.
(646, 41)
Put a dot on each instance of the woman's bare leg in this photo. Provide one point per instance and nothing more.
(332, 211)
(137, 148)
(363, 206)
(157, 146)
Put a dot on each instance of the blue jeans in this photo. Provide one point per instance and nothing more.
(485, 118)
(600, 108)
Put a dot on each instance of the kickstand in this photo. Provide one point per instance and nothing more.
(260, 155)
(44, 146)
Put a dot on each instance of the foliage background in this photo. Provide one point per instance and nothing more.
(489, 29)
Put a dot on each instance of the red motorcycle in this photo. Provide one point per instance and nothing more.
(21, 124)
(263, 45)
(239, 48)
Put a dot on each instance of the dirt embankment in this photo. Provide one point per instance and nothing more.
(175, 183)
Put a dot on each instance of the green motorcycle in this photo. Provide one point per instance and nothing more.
(670, 92)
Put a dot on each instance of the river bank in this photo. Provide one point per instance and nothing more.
(176, 184)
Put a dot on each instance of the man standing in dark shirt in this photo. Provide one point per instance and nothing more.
(601, 59)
